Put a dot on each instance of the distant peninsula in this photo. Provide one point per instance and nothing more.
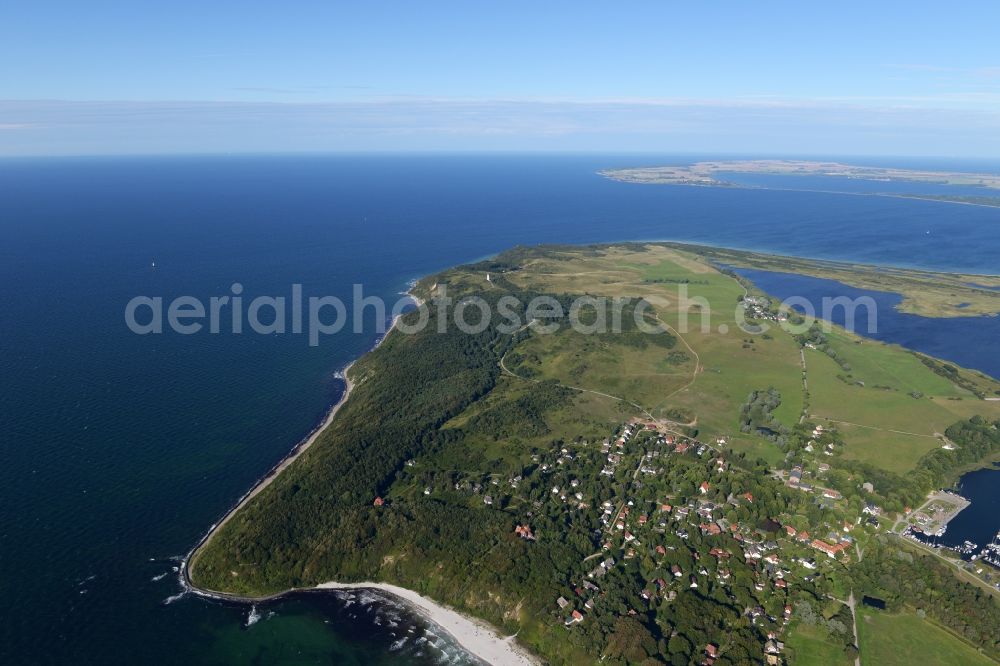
(712, 174)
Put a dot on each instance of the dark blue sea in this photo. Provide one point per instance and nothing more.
(120, 450)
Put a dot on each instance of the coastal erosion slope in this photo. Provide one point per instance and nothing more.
(475, 636)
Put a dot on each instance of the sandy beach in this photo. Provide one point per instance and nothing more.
(476, 636)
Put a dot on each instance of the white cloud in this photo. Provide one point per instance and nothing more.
(962, 124)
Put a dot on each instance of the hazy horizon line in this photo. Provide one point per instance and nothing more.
(699, 155)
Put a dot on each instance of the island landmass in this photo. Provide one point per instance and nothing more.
(698, 495)
(713, 174)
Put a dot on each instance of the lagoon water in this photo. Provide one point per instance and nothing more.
(976, 336)
(882, 321)
(119, 450)
(980, 522)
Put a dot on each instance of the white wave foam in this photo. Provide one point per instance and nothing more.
(160, 576)
(253, 617)
(175, 597)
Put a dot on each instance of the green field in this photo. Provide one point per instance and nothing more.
(899, 412)
(905, 639)
(729, 367)
(924, 293)
(812, 646)
(889, 407)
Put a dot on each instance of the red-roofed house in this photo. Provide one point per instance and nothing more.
(827, 548)
(524, 531)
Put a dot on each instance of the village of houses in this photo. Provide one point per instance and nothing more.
(646, 521)
(678, 516)
(635, 493)
(683, 514)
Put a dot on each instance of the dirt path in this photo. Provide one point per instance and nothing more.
(645, 412)
(854, 623)
(851, 603)
(642, 409)
(697, 359)
(868, 427)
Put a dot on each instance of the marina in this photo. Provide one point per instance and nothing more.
(938, 511)
(990, 554)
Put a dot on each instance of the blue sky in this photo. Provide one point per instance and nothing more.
(901, 78)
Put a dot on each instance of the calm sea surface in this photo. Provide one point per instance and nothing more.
(118, 450)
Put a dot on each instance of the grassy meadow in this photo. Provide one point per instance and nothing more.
(905, 639)
(890, 407)
(809, 645)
